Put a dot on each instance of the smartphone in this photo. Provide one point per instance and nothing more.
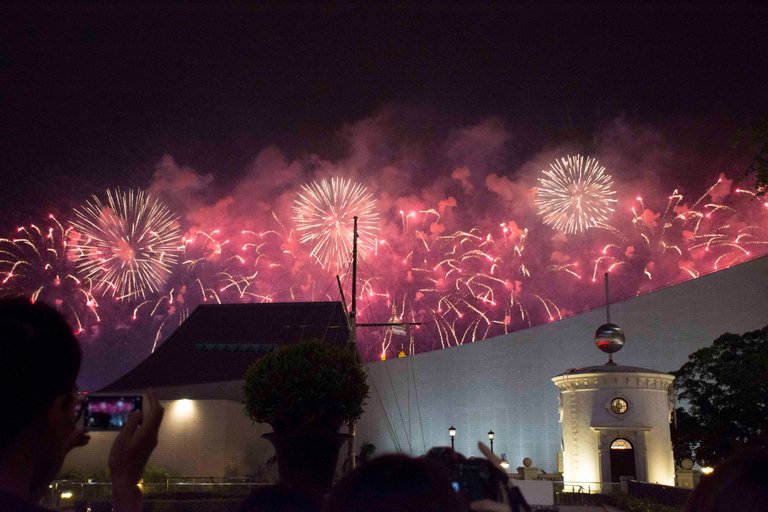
(109, 413)
(472, 478)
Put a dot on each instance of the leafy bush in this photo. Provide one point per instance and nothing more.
(72, 474)
(151, 474)
(634, 504)
(308, 387)
(155, 474)
(80, 475)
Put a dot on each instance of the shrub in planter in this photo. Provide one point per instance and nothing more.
(306, 391)
(306, 388)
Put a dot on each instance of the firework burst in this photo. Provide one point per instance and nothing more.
(35, 264)
(684, 240)
(462, 286)
(126, 246)
(324, 214)
(575, 194)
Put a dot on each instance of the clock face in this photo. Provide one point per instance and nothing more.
(619, 406)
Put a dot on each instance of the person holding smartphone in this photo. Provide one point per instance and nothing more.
(39, 364)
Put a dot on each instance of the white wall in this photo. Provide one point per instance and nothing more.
(504, 384)
(197, 438)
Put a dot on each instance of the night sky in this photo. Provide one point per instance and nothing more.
(92, 95)
(235, 98)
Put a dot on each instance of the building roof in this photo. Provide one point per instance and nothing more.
(218, 342)
(612, 368)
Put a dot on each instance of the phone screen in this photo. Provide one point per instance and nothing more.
(110, 412)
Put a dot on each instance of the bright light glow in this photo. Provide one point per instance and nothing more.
(183, 409)
(707, 470)
(66, 495)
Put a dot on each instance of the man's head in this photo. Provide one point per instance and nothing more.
(395, 483)
(39, 362)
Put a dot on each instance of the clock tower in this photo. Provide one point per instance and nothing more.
(615, 421)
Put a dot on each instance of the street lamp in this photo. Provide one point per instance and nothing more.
(491, 435)
(452, 433)
(503, 461)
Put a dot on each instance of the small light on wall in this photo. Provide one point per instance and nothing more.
(707, 470)
(183, 409)
(66, 495)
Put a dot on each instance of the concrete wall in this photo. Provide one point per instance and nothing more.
(197, 438)
(504, 384)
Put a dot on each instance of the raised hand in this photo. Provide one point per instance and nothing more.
(130, 453)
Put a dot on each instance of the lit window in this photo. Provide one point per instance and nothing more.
(619, 406)
(621, 444)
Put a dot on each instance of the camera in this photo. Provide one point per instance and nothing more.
(472, 478)
(109, 413)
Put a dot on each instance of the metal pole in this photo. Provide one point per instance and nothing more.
(607, 300)
(353, 311)
(353, 339)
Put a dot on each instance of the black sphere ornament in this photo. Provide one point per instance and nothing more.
(609, 338)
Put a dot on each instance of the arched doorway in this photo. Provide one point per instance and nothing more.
(622, 459)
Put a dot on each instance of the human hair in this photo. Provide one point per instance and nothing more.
(740, 483)
(395, 483)
(39, 360)
(493, 481)
(282, 498)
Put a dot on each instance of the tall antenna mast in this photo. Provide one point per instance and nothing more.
(353, 310)
(352, 339)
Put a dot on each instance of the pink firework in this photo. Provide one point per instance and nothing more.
(34, 263)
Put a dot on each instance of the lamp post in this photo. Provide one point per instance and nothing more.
(491, 435)
(504, 462)
(452, 433)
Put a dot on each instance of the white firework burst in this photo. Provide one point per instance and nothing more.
(575, 194)
(324, 214)
(127, 246)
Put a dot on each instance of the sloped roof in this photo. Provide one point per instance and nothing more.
(218, 342)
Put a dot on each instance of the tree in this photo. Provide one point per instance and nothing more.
(757, 140)
(724, 388)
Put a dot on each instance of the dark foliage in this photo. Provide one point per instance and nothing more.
(309, 387)
(724, 391)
